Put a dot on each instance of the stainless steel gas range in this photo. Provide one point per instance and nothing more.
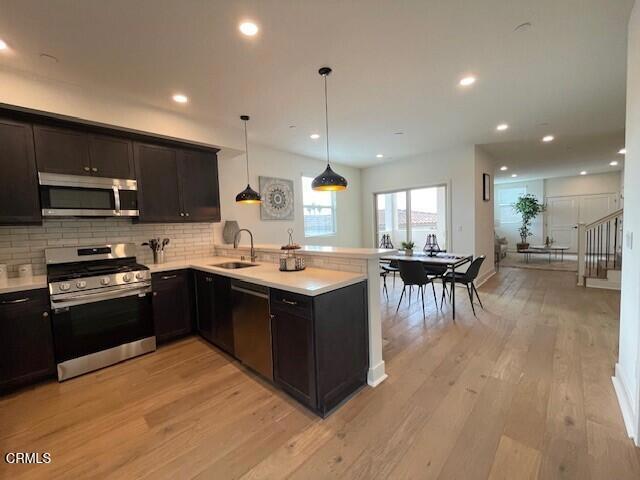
(101, 304)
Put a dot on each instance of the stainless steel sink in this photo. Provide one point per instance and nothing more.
(234, 265)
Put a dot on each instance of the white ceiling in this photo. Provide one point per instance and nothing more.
(566, 156)
(396, 66)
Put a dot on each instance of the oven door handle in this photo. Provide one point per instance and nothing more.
(63, 303)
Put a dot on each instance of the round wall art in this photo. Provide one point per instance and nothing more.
(277, 198)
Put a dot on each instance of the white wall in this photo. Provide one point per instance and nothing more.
(483, 238)
(583, 184)
(627, 376)
(507, 223)
(105, 107)
(461, 170)
(452, 167)
(273, 163)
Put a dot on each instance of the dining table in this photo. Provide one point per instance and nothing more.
(441, 259)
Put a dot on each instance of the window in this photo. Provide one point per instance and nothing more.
(411, 215)
(319, 210)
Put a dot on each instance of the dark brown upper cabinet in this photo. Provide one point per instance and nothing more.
(158, 187)
(111, 157)
(176, 185)
(74, 152)
(19, 200)
(59, 150)
(199, 183)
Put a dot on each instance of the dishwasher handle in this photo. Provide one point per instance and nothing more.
(249, 292)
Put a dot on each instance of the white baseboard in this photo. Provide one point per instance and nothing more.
(624, 400)
(483, 279)
(376, 375)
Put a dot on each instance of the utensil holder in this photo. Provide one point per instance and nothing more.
(158, 257)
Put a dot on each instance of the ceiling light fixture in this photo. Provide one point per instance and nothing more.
(3, 45)
(249, 29)
(583, 172)
(514, 175)
(248, 195)
(467, 81)
(314, 136)
(379, 155)
(504, 168)
(328, 180)
(548, 138)
(622, 151)
(502, 127)
(180, 98)
(613, 163)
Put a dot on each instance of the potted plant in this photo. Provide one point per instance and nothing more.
(408, 248)
(529, 208)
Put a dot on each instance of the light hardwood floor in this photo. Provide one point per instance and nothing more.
(523, 391)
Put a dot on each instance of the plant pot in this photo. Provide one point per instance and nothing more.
(408, 252)
(522, 246)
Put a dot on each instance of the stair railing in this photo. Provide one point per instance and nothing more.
(599, 246)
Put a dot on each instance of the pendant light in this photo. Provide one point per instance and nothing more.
(328, 180)
(248, 195)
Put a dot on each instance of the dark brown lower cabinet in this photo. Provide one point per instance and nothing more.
(26, 342)
(172, 304)
(320, 345)
(215, 310)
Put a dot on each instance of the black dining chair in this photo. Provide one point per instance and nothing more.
(467, 278)
(437, 273)
(413, 274)
(383, 274)
(391, 267)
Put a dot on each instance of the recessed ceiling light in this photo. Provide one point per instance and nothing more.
(248, 28)
(180, 98)
(502, 127)
(3, 45)
(379, 155)
(467, 81)
(613, 163)
(514, 175)
(548, 138)
(314, 136)
(504, 168)
(622, 151)
(583, 172)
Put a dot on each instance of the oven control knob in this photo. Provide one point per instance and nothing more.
(64, 287)
(81, 284)
(127, 277)
(140, 276)
(105, 280)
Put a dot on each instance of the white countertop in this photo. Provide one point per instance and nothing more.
(19, 284)
(311, 281)
(320, 250)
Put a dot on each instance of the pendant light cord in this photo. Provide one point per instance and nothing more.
(246, 149)
(326, 116)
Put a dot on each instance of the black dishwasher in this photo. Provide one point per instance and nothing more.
(252, 327)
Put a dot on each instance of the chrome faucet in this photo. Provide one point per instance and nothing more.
(236, 240)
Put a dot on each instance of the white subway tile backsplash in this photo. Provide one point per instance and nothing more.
(20, 245)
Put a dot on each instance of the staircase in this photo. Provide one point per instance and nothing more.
(600, 252)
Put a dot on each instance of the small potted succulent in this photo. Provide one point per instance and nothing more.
(529, 208)
(408, 248)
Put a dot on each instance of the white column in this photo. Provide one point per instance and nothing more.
(582, 252)
(376, 373)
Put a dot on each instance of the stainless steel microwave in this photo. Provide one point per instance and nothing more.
(80, 196)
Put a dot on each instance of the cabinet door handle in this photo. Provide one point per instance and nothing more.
(289, 302)
(45, 314)
(12, 302)
(186, 214)
(208, 279)
(168, 277)
(155, 294)
(182, 214)
(87, 169)
(94, 169)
